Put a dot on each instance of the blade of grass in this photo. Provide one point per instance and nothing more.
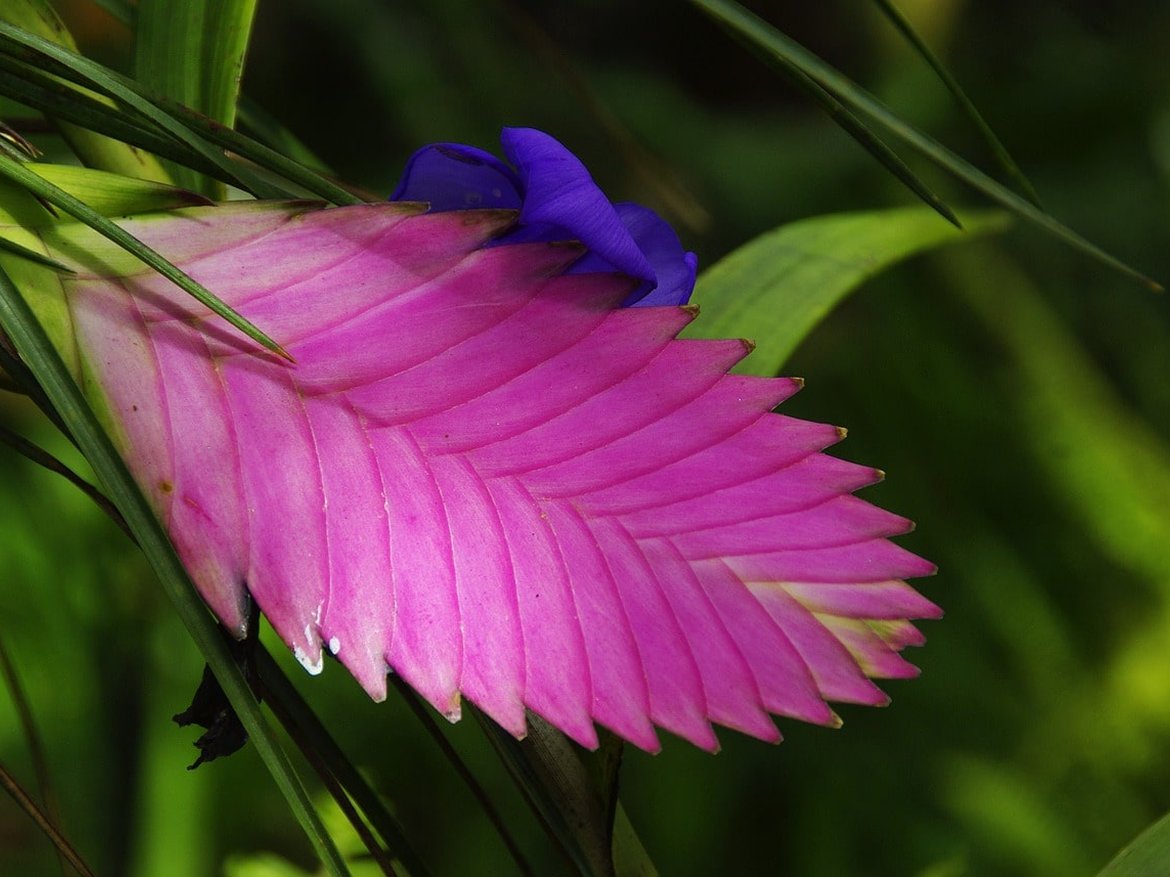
(30, 84)
(29, 806)
(33, 256)
(874, 145)
(283, 695)
(23, 45)
(786, 52)
(473, 785)
(44, 459)
(39, 18)
(192, 52)
(558, 804)
(42, 188)
(32, 735)
(34, 347)
(998, 150)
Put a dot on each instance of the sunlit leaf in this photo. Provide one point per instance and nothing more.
(192, 51)
(777, 288)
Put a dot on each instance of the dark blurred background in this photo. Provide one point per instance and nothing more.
(1015, 391)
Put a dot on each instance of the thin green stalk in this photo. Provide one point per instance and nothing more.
(32, 734)
(786, 52)
(536, 793)
(998, 150)
(34, 347)
(465, 774)
(281, 692)
(42, 188)
(29, 806)
(205, 137)
(28, 85)
(46, 460)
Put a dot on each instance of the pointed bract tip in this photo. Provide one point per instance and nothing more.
(842, 433)
(692, 309)
(835, 722)
(748, 345)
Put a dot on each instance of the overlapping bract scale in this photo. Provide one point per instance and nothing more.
(484, 475)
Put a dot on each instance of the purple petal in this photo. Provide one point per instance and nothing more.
(674, 267)
(451, 176)
(561, 200)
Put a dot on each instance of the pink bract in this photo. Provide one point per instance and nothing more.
(485, 476)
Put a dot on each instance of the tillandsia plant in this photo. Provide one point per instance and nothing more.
(449, 439)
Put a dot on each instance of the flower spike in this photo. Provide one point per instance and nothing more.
(484, 474)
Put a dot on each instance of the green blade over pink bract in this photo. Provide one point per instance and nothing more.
(484, 475)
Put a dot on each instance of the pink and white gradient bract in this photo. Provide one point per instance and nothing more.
(485, 476)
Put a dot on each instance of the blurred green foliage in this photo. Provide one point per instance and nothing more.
(1015, 392)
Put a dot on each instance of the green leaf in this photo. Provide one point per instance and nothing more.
(787, 53)
(28, 84)
(114, 194)
(1148, 854)
(36, 350)
(1002, 156)
(192, 52)
(26, 803)
(558, 787)
(26, 46)
(38, 18)
(777, 288)
(306, 726)
(42, 188)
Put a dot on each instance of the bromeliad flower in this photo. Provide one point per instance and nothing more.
(557, 201)
(484, 474)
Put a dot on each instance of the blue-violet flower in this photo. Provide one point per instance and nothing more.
(558, 200)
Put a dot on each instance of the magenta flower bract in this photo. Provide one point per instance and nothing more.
(484, 475)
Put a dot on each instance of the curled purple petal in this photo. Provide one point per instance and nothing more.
(452, 176)
(561, 196)
(558, 201)
(674, 267)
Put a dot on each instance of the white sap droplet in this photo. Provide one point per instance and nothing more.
(314, 667)
(334, 645)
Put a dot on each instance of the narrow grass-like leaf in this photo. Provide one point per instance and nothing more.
(42, 188)
(1148, 854)
(477, 790)
(589, 855)
(874, 145)
(29, 806)
(35, 348)
(197, 142)
(787, 52)
(192, 52)
(998, 150)
(43, 458)
(28, 726)
(32, 87)
(21, 44)
(32, 255)
(777, 288)
(38, 18)
(282, 693)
